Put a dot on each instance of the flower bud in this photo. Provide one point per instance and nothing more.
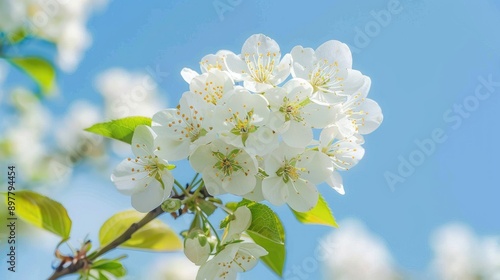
(197, 248)
(171, 205)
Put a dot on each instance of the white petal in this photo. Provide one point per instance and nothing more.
(317, 164)
(202, 158)
(356, 83)
(239, 183)
(335, 181)
(150, 198)
(256, 86)
(195, 252)
(260, 44)
(335, 51)
(143, 141)
(256, 194)
(236, 66)
(241, 222)
(275, 190)
(282, 70)
(303, 59)
(171, 149)
(372, 118)
(303, 196)
(188, 74)
(319, 116)
(298, 135)
(129, 176)
(212, 182)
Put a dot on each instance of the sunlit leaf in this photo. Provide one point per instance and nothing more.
(115, 267)
(121, 129)
(267, 231)
(155, 235)
(38, 69)
(40, 211)
(319, 215)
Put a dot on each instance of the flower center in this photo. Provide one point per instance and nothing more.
(288, 171)
(323, 77)
(261, 65)
(227, 164)
(243, 126)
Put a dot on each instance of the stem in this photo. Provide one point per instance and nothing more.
(227, 210)
(192, 181)
(181, 187)
(74, 267)
(205, 220)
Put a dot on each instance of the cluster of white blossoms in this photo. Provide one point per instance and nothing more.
(59, 21)
(249, 128)
(257, 125)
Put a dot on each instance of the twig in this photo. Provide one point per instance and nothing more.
(74, 267)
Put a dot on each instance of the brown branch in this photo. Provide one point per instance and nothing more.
(74, 267)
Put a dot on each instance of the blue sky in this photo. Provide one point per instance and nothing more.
(427, 58)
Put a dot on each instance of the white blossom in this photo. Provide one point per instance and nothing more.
(293, 173)
(225, 168)
(241, 121)
(294, 115)
(207, 63)
(352, 252)
(461, 255)
(146, 177)
(344, 153)
(259, 65)
(234, 258)
(329, 70)
(183, 129)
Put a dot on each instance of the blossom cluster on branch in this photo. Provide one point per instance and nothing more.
(257, 125)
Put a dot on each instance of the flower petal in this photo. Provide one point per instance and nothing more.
(303, 196)
(275, 190)
(150, 198)
(143, 141)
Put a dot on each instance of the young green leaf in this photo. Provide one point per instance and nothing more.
(319, 215)
(267, 231)
(41, 211)
(121, 129)
(38, 69)
(207, 207)
(115, 267)
(155, 235)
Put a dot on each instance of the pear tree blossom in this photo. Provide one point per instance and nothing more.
(294, 115)
(207, 63)
(260, 65)
(293, 175)
(329, 70)
(146, 177)
(250, 131)
(182, 129)
(344, 153)
(225, 168)
(233, 257)
(241, 121)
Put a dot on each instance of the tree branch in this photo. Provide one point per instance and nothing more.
(74, 267)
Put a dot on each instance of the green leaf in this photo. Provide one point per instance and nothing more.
(38, 69)
(267, 231)
(207, 207)
(17, 36)
(114, 267)
(121, 129)
(155, 235)
(319, 215)
(41, 212)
